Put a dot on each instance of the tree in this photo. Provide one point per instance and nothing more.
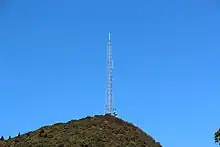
(2, 138)
(217, 136)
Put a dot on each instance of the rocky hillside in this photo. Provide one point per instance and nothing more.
(97, 131)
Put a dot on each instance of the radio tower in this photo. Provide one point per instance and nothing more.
(109, 106)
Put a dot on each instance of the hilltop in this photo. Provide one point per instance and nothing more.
(97, 131)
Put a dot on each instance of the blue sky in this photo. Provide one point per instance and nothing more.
(166, 56)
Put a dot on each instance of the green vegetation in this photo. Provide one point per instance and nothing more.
(217, 136)
(97, 131)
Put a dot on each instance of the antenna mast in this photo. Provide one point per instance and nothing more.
(109, 109)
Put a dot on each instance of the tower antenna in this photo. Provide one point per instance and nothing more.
(109, 107)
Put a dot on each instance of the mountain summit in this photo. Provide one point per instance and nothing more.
(96, 131)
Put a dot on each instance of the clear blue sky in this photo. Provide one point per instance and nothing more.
(166, 56)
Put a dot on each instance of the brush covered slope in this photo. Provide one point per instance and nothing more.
(97, 131)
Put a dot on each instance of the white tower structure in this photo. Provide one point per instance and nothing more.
(109, 106)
